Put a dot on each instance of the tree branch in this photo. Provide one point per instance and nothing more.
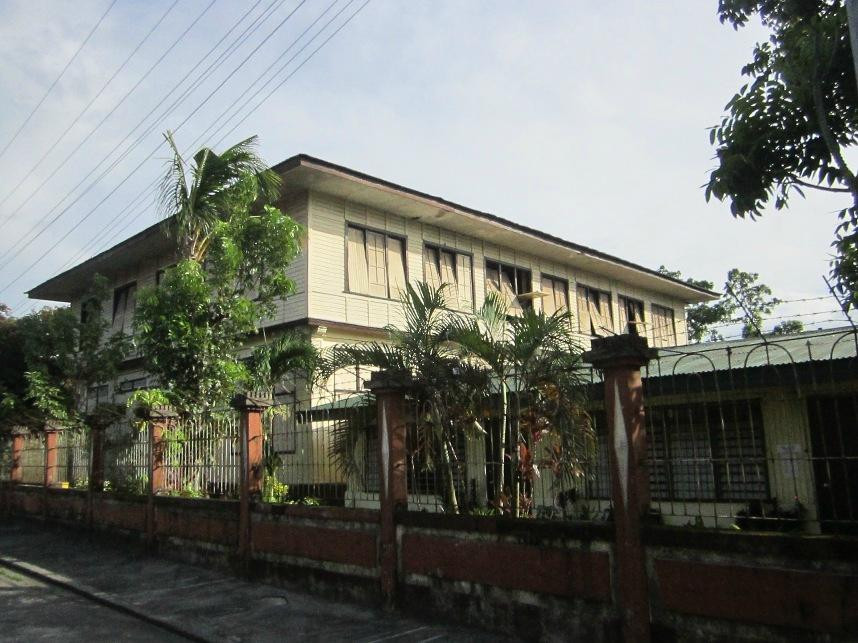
(824, 188)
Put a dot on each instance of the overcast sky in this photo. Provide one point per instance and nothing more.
(586, 120)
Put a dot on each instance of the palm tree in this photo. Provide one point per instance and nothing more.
(443, 385)
(195, 197)
(535, 368)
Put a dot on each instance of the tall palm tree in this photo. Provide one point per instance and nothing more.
(195, 196)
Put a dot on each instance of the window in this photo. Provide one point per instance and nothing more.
(159, 274)
(707, 452)
(595, 316)
(455, 271)
(134, 384)
(375, 263)
(513, 285)
(663, 326)
(124, 299)
(631, 316)
(87, 309)
(555, 295)
(96, 395)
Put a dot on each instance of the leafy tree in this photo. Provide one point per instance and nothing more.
(752, 298)
(56, 357)
(744, 301)
(788, 327)
(791, 126)
(236, 246)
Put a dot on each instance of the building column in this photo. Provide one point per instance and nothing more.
(620, 358)
(389, 388)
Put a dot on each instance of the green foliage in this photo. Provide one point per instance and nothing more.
(788, 327)
(54, 359)
(237, 247)
(462, 368)
(752, 298)
(744, 301)
(791, 125)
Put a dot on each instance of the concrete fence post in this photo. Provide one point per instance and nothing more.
(16, 473)
(96, 463)
(52, 435)
(250, 406)
(389, 388)
(158, 419)
(621, 358)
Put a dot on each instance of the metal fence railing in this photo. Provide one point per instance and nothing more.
(72, 459)
(33, 460)
(202, 455)
(126, 458)
(315, 449)
(756, 433)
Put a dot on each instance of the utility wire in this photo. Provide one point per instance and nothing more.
(127, 151)
(100, 123)
(187, 118)
(57, 79)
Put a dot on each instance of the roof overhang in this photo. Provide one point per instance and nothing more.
(313, 174)
(305, 173)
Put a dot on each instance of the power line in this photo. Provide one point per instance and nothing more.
(100, 123)
(240, 40)
(124, 154)
(57, 79)
(68, 232)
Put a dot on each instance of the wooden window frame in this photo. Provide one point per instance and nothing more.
(656, 330)
(565, 282)
(387, 235)
(610, 297)
(641, 324)
(455, 252)
(523, 303)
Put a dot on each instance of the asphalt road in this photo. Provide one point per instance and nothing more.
(58, 584)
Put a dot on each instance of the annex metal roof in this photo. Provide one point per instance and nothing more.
(801, 348)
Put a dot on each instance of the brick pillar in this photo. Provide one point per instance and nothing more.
(16, 474)
(250, 407)
(158, 420)
(620, 358)
(390, 388)
(52, 434)
(96, 463)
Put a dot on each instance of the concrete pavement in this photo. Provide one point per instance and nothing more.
(81, 589)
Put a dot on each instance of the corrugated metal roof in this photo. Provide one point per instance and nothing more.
(811, 346)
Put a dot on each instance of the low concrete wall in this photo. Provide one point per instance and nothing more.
(535, 579)
(745, 586)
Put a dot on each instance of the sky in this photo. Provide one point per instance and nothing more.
(586, 120)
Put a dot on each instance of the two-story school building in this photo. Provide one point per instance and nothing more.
(365, 239)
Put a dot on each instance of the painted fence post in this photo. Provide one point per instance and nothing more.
(251, 437)
(52, 434)
(16, 473)
(389, 388)
(621, 358)
(158, 419)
